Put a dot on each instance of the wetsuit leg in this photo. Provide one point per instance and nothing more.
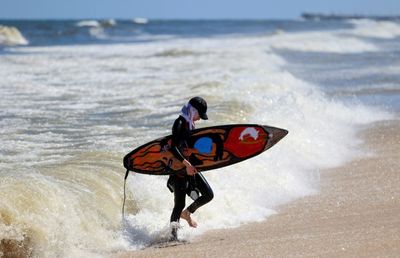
(179, 197)
(205, 190)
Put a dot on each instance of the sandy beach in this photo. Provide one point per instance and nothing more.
(356, 214)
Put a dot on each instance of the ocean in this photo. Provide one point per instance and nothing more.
(77, 95)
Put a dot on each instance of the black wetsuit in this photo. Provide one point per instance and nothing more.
(180, 137)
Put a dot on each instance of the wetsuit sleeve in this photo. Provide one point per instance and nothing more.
(177, 134)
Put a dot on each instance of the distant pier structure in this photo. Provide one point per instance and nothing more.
(322, 16)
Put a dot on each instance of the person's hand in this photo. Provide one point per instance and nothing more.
(190, 170)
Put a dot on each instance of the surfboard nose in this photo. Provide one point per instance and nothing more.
(275, 135)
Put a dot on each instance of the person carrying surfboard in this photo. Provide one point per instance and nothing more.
(193, 111)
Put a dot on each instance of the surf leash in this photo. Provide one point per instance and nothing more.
(123, 203)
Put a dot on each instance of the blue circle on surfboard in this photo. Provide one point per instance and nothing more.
(204, 145)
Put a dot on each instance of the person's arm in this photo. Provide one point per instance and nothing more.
(178, 130)
(177, 134)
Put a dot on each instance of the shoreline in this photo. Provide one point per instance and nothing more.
(355, 213)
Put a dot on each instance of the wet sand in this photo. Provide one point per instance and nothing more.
(356, 214)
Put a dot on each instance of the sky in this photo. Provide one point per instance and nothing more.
(190, 9)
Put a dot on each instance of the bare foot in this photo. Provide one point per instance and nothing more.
(186, 216)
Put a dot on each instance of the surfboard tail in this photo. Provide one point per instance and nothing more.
(127, 162)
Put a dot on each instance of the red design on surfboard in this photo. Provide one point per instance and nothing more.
(246, 141)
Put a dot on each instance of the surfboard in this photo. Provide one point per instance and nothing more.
(208, 148)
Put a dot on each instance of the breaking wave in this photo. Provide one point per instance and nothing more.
(140, 20)
(330, 42)
(11, 36)
(88, 23)
(375, 29)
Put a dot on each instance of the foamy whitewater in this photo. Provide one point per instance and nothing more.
(71, 108)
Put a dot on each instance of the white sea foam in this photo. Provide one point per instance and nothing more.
(70, 125)
(375, 29)
(11, 36)
(98, 32)
(96, 28)
(109, 23)
(320, 42)
(338, 41)
(140, 20)
(88, 23)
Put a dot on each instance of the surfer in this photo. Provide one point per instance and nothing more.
(193, 111)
